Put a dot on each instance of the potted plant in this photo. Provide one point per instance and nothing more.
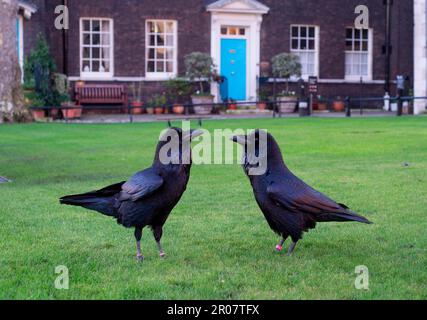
(32, 101)
(136, 103)
(37, 110)
(262, 99)
(338, 104)
(200, 68)
(39, 75)
(232, 105)
(156, 104)
(286, 65)
(322, 104)
(69, 108)
(178, 91)
(62, 88)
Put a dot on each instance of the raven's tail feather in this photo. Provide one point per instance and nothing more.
(350, 216)
(103, 200)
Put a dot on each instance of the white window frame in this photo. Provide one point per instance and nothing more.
(20, 48)
(370, 59)
(161, 75)
(92, 75)
(316, 48)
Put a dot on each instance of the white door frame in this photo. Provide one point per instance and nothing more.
(21, 44)
(420, 54)
(252, 23)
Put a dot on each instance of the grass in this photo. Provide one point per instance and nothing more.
(217, 242)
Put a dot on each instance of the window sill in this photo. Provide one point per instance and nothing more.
(96, 76)
(159, 76)
(357, 78)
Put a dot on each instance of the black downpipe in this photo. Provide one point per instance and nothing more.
(387, 46)
(65, 45)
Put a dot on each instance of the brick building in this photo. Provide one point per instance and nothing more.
(123, 41)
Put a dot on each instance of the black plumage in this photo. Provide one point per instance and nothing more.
(149, 196)
(290, 206)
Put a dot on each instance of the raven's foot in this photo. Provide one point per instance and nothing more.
(162, 254)
(139, 257)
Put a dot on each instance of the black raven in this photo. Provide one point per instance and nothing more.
(289, 205)
(149, 196)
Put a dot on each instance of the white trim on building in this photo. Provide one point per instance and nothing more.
(27, 9)
(20, 43)
(306, 46)
(420, 55)
(151, 63)
(363, 50)
(88, 72)
(244, 14)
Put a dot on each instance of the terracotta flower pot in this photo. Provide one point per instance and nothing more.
(158, 110)
(73, 113)
(204, 107)
(149, 110)
(38, 114)
(232, 106)
(322, 106)
(262, 105)
(338, 106)
(178, 108)
(137, 107)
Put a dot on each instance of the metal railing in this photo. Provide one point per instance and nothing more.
(273, 105)
(397, 99)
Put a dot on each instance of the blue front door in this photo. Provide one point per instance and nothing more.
(233, 68)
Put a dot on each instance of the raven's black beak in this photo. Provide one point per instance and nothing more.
(239, 139)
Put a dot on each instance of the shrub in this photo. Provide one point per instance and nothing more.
(286, 65)
(157, 100)
(39, 71)
(178, 89)
(200, 67)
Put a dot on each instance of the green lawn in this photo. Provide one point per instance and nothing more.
(217, 242)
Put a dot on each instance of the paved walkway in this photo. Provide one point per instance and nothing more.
(124, 118)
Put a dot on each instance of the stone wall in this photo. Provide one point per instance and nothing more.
(8, 56)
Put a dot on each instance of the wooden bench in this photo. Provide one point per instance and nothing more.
(101, 94)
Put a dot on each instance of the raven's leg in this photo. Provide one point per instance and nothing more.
(158, 232)
(291, 248)
(279, 247)
(138, 236)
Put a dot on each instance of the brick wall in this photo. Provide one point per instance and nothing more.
(129, 29)
(332, 16)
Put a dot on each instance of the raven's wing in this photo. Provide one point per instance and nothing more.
(296, 196)
(141, 185)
